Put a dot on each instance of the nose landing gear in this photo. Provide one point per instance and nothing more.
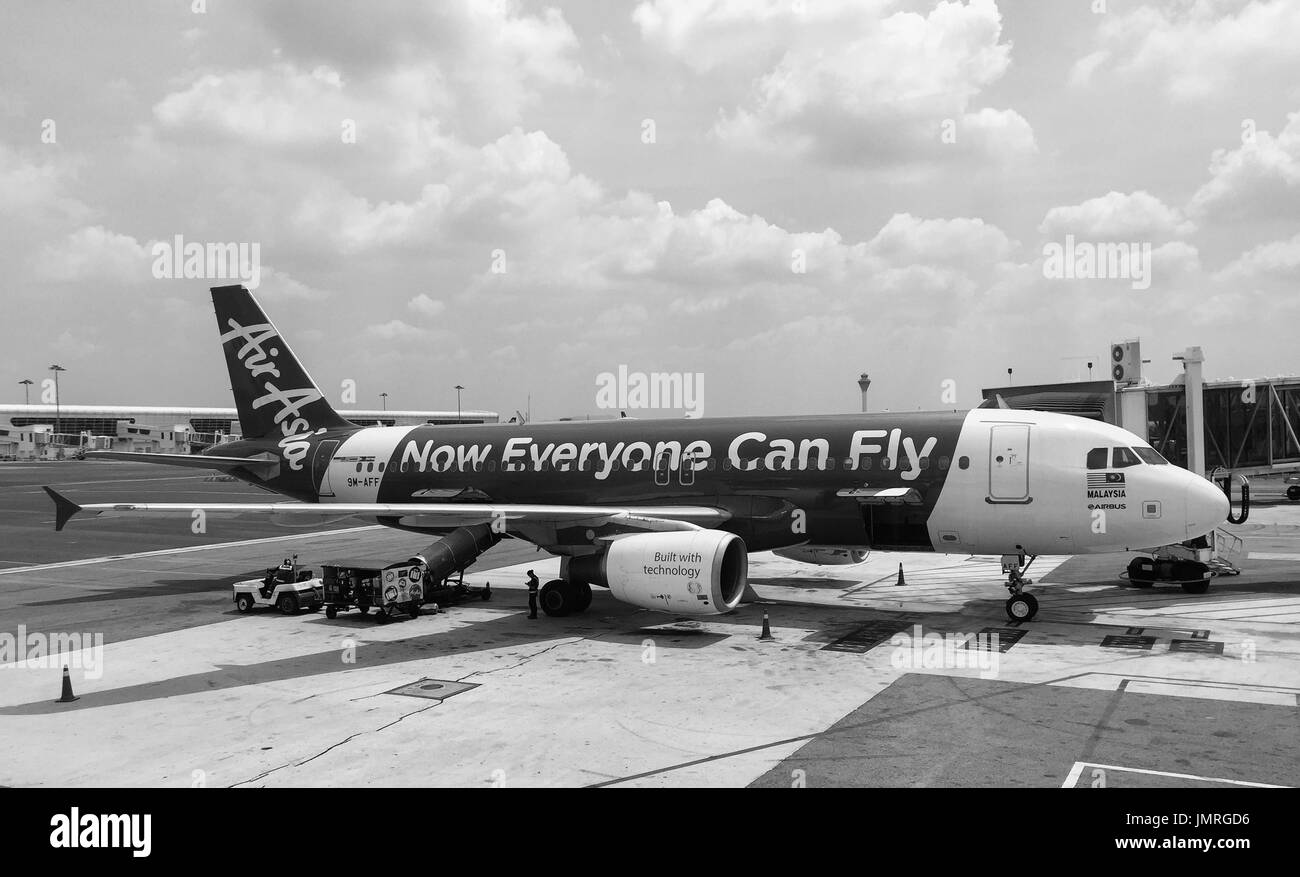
(1021, 605)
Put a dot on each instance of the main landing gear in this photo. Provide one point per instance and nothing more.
(559, 597)
(1021, 605)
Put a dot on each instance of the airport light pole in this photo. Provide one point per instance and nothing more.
(56, 368)
(458, 389)
(27, 390)
(384, 398)
(1008, 377)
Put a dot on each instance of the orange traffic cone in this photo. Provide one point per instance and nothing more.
(900, 577)
(767, 629)
(68, 696)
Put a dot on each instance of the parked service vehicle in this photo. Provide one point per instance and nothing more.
(288, 587)
(362, 584)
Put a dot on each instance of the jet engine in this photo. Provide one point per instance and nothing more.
(700, 572)
(823, 554)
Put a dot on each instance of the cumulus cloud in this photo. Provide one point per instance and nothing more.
(425, 306)
(1261, 177)
(397, 331)
(1117, 216)
(1198, 50)
(853, 84)
(478, 59)
(94, 253)
(1276, 261)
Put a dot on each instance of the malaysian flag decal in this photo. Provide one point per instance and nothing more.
(1098, 480)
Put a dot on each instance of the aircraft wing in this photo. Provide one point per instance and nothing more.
(259, 464)
(430, 515)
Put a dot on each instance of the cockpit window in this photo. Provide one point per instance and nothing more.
(1151, 455)
(1097, 458)
(1125, 457)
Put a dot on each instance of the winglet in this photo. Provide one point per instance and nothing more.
(64, 508)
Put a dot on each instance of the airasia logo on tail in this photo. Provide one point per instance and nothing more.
(259, 360)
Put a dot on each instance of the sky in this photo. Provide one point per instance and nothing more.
(767, 197)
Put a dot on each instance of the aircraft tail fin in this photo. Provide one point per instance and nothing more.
(273, 392)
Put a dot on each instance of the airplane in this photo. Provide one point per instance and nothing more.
(664, 513)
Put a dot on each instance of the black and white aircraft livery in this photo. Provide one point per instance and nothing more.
(664, 512)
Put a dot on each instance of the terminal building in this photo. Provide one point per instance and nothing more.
(1246, 427)
(43, 431)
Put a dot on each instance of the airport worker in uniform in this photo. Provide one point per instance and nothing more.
(532, 594)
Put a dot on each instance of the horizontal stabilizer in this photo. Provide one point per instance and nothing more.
(64, 508)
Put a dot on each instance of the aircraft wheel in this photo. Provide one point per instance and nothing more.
(556, 598)
(1293, 492)
(244, 603)
(288, 603)
(1196, 587)
(331, 611)
(1022, 607)
(581, 596)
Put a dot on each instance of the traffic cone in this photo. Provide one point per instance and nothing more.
(900, 581)
(767, 629)
(68, 696)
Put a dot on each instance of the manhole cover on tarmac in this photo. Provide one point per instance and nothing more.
(1138, 643)
(1201, 646)
(432, 689)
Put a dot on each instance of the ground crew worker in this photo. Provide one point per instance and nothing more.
(532, 594)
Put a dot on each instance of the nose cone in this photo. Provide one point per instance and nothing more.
(1207, 506)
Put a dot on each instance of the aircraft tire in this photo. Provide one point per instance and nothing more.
(581, 596)
(1022, 607)
(556, 598)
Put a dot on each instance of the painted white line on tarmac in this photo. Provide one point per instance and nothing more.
(1080, 765)
(1273, 555)
(115, 557)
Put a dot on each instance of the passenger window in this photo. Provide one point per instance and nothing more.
(381, 467)
(1125, 457)
(963, 462)
(1097, 458)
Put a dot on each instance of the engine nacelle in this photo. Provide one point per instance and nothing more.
(700, 572)
(823, 554)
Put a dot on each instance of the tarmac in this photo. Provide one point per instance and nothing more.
(865, 682)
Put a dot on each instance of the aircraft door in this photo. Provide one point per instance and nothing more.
(663, 468)
(1009, 463)
(686, 474)
(320, 467)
